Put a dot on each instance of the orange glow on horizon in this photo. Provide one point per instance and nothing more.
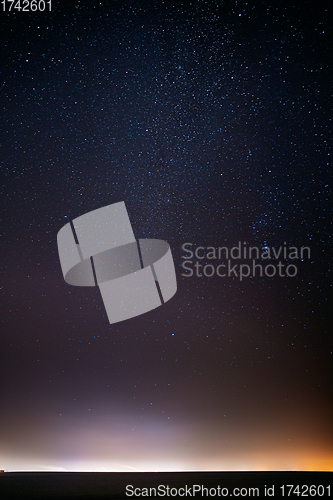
(309, 462)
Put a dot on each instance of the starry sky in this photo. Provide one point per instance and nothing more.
(211, 121)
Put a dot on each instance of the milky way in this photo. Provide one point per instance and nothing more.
(211, 122)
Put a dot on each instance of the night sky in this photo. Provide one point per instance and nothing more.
(211, 121)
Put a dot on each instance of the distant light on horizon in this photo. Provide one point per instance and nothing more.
(156, 446)
(314, 460)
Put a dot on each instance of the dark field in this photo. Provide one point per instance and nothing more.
(113, 484)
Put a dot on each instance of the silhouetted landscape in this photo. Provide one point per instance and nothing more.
(100, 485)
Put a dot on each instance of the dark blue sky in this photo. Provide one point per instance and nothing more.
(211, 121)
